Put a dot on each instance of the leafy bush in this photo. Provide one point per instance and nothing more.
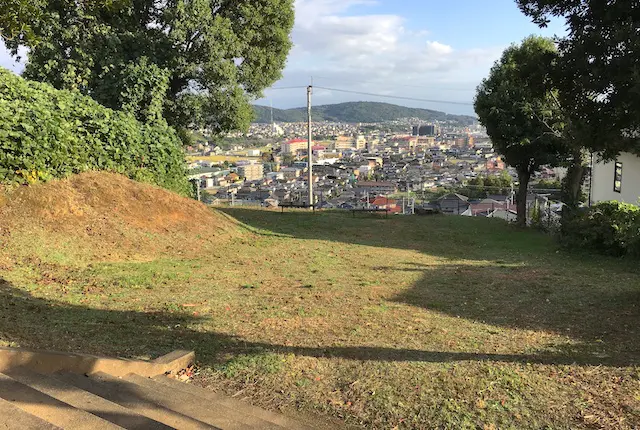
(609, 227)
(47, 133)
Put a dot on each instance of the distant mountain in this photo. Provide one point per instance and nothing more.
(357, 112)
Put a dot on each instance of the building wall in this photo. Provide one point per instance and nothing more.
(456, 207)
(379, 189)
(603, 178)
(344, 142)
(251, 172)
(293, 147)
(426, 141)
(290, 173)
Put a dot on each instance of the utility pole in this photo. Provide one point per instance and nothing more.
(273, 125)
(309, 146)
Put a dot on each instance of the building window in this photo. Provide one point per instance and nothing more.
(617, 179)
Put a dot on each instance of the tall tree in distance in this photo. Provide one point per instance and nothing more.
(517, 105)
(198, 62)
(598, 69)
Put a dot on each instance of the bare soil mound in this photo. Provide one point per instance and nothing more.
(110, 212)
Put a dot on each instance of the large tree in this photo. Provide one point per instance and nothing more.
(16, 17)
(518, 106)
(197, 63)
(599, 68)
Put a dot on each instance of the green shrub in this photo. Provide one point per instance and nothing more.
(47, 133)
(609, 227)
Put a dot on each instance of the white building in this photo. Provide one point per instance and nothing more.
(616, 180)
(275, 176)
(251, 172)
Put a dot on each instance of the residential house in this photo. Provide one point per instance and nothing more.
(453, 204)
(377, 187)
(281, 194)
(290, 172)
(485, 207)
(245, 193)
(616, 180)
(232, 177)
(381, 202)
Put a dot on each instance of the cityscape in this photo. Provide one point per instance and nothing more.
(425, 169)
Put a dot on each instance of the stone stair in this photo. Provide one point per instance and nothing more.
(31, 399)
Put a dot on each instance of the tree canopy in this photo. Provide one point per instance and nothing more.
(482, 186)
(16, 17)
(197, 63)
(517, 105)
(599, 68)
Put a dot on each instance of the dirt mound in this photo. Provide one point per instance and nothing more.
(110, 211)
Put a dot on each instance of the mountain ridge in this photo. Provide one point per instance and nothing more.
(357, 112)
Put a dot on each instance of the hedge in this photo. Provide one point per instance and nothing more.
(611, 228)
(47, 133)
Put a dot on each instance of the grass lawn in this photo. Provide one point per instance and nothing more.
(408, 322)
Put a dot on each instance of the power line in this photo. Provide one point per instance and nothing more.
(397, 85)
(376, 95)
(396, 97)
(286, 88)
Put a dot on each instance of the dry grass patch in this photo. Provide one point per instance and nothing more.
(443, 322)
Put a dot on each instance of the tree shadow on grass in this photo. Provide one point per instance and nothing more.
(604, 318)
(37, 323)
(449, 237)
(495, 273)
(442, 236)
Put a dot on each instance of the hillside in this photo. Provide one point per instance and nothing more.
(355, 112)
(407, 322)
(105, 215)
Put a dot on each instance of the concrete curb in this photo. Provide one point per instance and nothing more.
(48, 362)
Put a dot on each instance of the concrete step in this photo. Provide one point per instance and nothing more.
(48, 408)
(14, 418)
(133, 397)
(203, 408)
(85, 401)
(231, 403)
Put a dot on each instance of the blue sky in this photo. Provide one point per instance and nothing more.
(426, 49)
(464, 24)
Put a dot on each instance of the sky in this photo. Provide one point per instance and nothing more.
(423, 49)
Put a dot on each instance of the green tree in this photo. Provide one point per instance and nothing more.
(480, 186)
(204, 60)
(288, 159)
(599, 74)
(16, 17)
(516, 104)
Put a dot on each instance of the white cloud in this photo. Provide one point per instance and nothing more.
(375, 53)
(437, 48)
(310, 9)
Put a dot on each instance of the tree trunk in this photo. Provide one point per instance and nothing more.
(572, 185)
(572, 188)
(521, 197)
